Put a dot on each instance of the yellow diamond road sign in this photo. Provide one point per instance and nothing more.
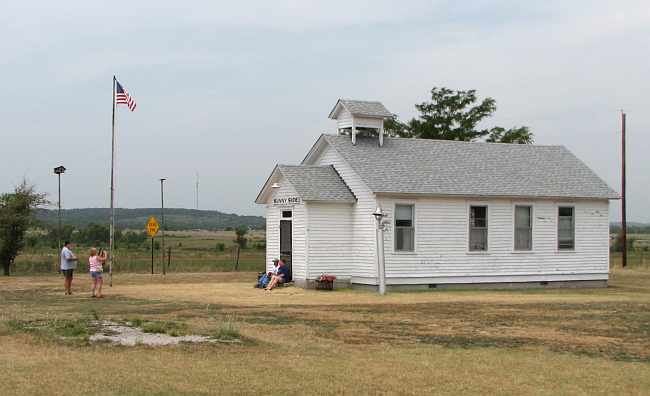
(152, 226)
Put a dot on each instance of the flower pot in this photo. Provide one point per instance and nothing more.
(324, 284)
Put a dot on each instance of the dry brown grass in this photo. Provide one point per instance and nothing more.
(570, 341)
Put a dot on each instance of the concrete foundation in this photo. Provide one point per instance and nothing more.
(501, 285)
(311, 283)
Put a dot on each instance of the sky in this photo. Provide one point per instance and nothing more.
(229, 89)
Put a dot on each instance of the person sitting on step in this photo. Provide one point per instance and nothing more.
(281, 276)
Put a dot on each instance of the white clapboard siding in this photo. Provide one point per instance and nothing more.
(363, 246)
(367, 122)
(441, 242)
(272, 235)
(298, 225)
(344, 119)
(330, 239)
(299, 235)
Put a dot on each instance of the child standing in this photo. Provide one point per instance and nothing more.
(95, 264)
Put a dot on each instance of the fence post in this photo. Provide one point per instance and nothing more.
(643, 256)
(169, 256)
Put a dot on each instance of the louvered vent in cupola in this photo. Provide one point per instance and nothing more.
(356, 116)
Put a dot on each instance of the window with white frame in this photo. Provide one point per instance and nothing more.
(566, 228)
(478, 228)
(404, 228)
(523, 227)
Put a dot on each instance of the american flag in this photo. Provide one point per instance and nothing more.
(123, 97)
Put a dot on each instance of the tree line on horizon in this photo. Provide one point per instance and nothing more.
(175, 219)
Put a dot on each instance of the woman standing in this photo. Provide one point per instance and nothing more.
(95, 264)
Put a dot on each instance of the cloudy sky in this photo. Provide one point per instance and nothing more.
(229, 89)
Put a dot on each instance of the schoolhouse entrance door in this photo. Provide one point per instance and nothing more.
(286, 244)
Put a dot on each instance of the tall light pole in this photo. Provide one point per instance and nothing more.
(59, 170)
(381, 269)
(623, 206)
(162, 221)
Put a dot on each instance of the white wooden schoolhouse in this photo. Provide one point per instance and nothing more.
(455, 212)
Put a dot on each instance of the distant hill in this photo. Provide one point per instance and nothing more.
(175, 219)
(633, 227)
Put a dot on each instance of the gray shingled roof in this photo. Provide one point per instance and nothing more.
(317, 183)
(440, 167)
(365, 108)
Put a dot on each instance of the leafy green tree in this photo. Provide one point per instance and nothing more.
(15, 218)
(393, 127)
(94, 234)
(52, 236)
(240, 233)
(135, 239)
(455, 115)
(519, 135)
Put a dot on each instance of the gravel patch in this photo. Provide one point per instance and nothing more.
(122, 334)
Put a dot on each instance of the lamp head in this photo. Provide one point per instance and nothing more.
(379, 214)
(59, 170)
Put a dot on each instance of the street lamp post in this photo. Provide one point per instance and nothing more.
(381, 269)
(162, 219)
(59, 170)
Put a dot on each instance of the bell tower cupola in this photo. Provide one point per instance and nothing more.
(353, 116)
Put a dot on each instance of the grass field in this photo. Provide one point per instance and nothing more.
(192, 251)
(568, 341)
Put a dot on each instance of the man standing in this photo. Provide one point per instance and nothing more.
(68, 265)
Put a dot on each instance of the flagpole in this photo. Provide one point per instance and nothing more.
(112, 226)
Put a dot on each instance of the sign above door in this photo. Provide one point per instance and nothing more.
(286, 201)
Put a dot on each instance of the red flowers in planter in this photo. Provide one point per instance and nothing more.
(327, 278)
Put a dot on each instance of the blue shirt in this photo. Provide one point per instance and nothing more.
(66, 259)
(284, 271)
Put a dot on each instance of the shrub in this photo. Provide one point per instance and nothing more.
(174, 329)
(227, 331)
(241, 239)
(617, 246)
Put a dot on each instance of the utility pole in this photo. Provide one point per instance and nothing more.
(623, 203)
(162, 218)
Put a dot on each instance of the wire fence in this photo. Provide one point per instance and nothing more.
(192, 261)
(636, 258)
(140, 262)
